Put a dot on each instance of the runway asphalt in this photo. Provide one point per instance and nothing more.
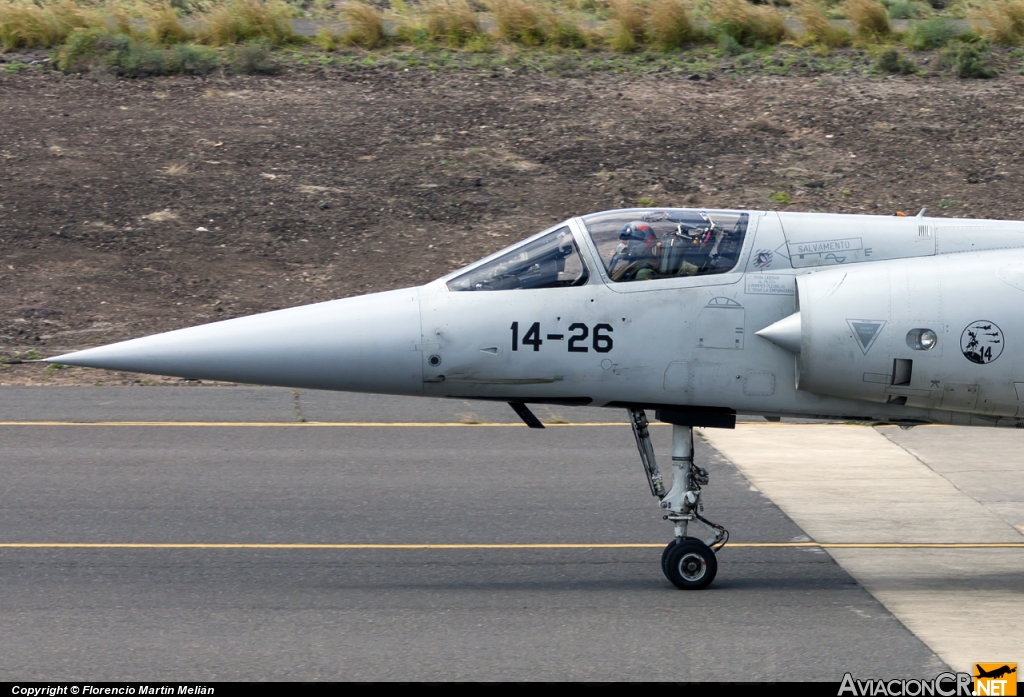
(182, 612)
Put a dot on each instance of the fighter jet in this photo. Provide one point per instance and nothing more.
(696, 315)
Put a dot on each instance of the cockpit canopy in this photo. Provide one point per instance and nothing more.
(645, 244)
(634, 245)
(550, 261)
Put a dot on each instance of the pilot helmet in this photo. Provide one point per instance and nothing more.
(637, 238)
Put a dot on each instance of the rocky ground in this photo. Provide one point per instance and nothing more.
(135, 206)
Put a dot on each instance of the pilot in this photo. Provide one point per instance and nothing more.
(635, 258)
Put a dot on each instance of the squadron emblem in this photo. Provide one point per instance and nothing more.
(981, 342)
(763, 258)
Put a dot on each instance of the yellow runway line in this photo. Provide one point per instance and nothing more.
(385, 424)
(297, 424)
(552, 545)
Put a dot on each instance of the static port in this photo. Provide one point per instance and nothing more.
(922, 339)
(434, 360)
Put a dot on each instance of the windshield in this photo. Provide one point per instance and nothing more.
(647, 244)
(551, 261)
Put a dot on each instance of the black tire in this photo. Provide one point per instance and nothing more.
(664, 555)
(690, 564)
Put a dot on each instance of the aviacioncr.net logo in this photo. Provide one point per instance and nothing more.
(943, 685)
(995, 679)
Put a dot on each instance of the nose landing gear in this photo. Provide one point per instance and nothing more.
(688, 561)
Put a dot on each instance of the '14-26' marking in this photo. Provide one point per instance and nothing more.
(600, 341)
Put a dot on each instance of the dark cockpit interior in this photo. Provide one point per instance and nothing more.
(641, 245)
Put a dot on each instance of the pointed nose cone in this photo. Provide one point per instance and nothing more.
(363, 344)
(785, 333)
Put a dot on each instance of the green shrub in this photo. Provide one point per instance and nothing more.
(746, 24)
(930, 33)
(253, 58)
(190, 59)
(968, 60)
(81, 51)
(481, 43)
(892, 60)
(325, 39)
(729, 45)
(98, 50)
(906, 9)
(129, 57)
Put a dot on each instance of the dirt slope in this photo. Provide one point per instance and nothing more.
(323, 184)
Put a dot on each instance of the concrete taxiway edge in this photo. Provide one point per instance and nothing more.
(843, 484)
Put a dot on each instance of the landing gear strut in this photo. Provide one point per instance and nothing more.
(688, 561)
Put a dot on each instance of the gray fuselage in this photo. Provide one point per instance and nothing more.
(858, 292)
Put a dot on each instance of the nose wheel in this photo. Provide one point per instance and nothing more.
(665, 553)
(688, 561)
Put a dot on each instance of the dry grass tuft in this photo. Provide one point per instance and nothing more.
(671, 25)
(562, 32)
(451, 22)
(628, 25)
(365, 26)
(519, 22)
(164, 26)
(818, 28)
(748, 25)
(24, 24)
(175, 169)
(1003, 21)
(115, 18)
(325, 39)
(237, 21)
(869, 16)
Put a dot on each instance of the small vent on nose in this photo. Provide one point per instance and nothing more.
(902, 370)
(924, 232)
